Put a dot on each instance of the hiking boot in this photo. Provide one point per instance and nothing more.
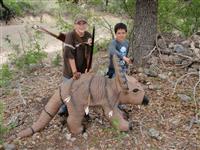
(63, 110)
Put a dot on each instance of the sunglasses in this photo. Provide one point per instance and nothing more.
(81, 23)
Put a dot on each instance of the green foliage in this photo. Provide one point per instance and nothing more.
(101, 45)
(67, 7)
(18, 7)
(5, 75)
(115, 123)
(22, 7)
(3, 129)
(179, 15)
(32, 54)
(63, 25)
(95, 2)
(56, 60)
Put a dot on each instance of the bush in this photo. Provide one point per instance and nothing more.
(3, 129)
(5, 75)
(56, 60)
(179, 15)
(31, 54)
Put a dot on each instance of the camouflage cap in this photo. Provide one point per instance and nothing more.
(80, 17)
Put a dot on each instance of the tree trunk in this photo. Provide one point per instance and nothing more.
(6, 14)
(76, 1)
(107, 2)
(145, 29)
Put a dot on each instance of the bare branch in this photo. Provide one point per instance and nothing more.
(109, 27)
(179, 79)
(150, 53)
(194, 91)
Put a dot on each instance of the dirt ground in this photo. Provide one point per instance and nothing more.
(167, 123)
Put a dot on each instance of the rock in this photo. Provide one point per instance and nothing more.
(169, 73)
(161, 43)
(192, 70)
(171, 45)
(93, 148)
(140, 70)
(1, 147)
(85, 136)
(196, 66)
(178, 48)
(150, 72)
(99, 121)
(197, 121)
(154, 134)
(184, 97)
(148, 83)
(177, 60)
(170, 59)
(175, 122)
(154, 87)
(50, 148)
(152, 60)
(9, 147)
(73, 139)
(15, 119)
(68, 136)
(166, 51)
(76, 148)
(162, 76)
(186, 43)
(185, 62)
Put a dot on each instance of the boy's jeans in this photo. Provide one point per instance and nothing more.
(111, 71)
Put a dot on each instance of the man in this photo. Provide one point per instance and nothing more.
(76, 52)
(119, 46)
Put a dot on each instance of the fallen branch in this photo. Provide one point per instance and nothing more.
(194, 95)
(179, 79)
(150, 53)
(159, 50)
(194, 92)
(20, 94)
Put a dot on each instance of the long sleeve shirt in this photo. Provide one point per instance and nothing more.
(120, 49)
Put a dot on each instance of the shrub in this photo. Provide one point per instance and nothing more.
(5, 75)
(31, 54)
(3, 129)
(56, 60)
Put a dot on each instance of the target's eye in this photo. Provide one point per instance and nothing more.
(135, 90)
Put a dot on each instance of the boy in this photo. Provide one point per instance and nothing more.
(119, 46)
(76, 52)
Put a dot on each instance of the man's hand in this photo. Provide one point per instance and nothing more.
(90, 71)
(76, 75)
(89, 42)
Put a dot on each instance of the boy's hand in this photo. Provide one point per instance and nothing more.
(127, 60)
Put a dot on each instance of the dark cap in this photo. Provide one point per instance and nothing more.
(79, 18)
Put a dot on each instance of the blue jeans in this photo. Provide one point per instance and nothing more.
(63, 109)
(111, 71)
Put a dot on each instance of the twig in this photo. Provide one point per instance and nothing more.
(22, 41)
(194, 91)
(20, 94)
(109, 27)
(184, 56)
(150, 53)
(159, 51)
(179, 79)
